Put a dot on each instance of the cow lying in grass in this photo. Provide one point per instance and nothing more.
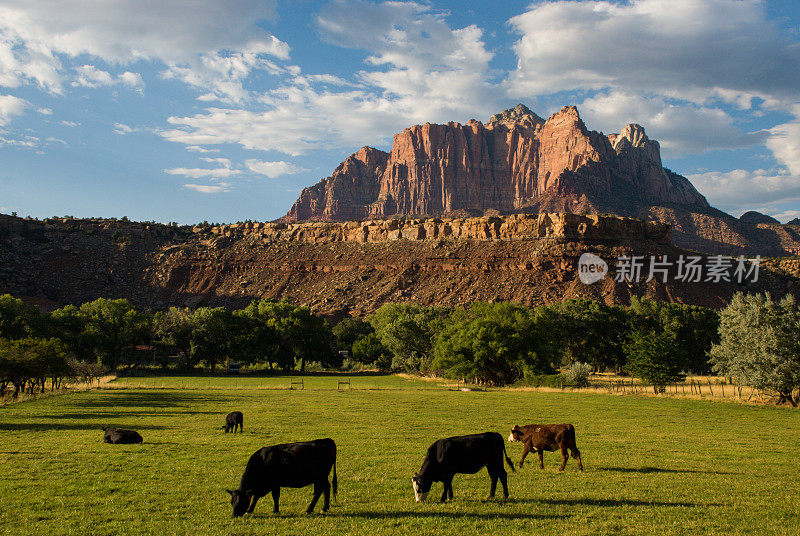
(540, 437)
(462, 455)
(117, 436)
(232, 420)
(291, 465)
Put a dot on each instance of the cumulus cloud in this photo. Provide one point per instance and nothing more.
(784, 142)
(91, 76)
(218, 188)
(272, 169)
(222, 74)
(418, 69)
(740, 189)
(196, 173)
(34, 36)
(11, 106)
(680, 128)
(698, 49)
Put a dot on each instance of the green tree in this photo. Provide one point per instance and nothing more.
(369, 350)
(349, 330)
(591, 332)
(495, 343)
(299, 336)
(759, 344)
(173, 329)
(213, 335)
(17, 320)
(408, 331)
(694, 329)
(114, 326)
(70, 325)
(653, 357)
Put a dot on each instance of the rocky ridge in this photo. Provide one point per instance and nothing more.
(345, 268)
(518, 162)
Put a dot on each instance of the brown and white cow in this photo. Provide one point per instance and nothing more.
(540, 437)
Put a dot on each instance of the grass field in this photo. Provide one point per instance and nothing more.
(653, 465)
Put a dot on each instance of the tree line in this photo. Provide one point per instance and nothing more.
(754, 340)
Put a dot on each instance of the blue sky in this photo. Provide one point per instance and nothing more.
(193, 110)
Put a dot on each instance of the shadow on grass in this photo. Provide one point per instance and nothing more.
(403, 514)
(47, 426)
(649, 470)
(611, 502)
(160, 399)
(101, 415)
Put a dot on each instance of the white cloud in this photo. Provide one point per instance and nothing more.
(218, 188)
(784, 142)
(419, 70)
(272, 169)
(197, 173)
(73, 124)
(198, 149)
(223, 74)
(740, 190)
(91, 76)
(122, 129)
(11, 106)
(36, 36)
(680, 128)
(695, 49)
(30, 142)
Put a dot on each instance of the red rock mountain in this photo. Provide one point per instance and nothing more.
(519, 162)
(515, 162)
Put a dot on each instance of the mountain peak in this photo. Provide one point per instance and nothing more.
(519, 114)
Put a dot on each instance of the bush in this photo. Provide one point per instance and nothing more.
(578, 375)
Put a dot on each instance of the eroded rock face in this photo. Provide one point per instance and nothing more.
(515, 227)
(516, 162)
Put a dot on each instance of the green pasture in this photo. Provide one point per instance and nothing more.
(653, 465)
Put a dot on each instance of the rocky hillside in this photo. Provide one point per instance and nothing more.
(346, 268)
(518, 162)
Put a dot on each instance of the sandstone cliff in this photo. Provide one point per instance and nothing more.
(340, 268)
(518, 162)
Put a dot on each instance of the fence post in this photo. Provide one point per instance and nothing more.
(710, 389)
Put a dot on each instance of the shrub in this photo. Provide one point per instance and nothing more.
(578, 375)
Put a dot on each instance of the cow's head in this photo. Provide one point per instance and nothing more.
(516, 434)
(240, 500)
(421, 488)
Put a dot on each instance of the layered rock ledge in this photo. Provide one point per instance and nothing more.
(514, 227)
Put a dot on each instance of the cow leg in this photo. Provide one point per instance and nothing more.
(541, 458)
(317, 494)
(276, 496)
(253, 504)
(493, 486)
(564, 457)
(448, 486)
(326, 497)
(525, 450)
(504, 481)
(577, 455)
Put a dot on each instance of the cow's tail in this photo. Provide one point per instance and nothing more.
(576, 454)
(334, 482)
(508, 460)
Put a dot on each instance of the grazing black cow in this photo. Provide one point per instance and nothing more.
(540, 437)
(291, 465)
(232, 420)
(465, 455)
(117, 436)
